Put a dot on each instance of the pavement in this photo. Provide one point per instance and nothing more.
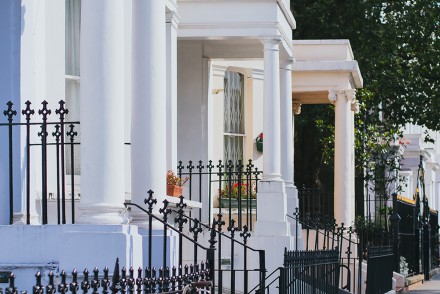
(427, 287)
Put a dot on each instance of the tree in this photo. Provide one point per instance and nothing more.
(397, 46)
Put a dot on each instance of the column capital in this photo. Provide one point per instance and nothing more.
(355, 107)
(332, 96)
(349, 94)
(296, 108)
(173, 18)
(271, 42)
(286, 64)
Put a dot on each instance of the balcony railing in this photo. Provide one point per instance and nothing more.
(30, 132)
(227, 188)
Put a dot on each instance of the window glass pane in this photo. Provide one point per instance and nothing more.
(233, 148)
(72, 69)
(73, 25)
(234, 103)
(233, 116)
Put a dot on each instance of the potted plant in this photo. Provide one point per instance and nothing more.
(259, 142)
(175, 184)
(231, 194)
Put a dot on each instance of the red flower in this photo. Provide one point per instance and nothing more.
(261, 136)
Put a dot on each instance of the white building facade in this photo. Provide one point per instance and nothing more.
(147, 80)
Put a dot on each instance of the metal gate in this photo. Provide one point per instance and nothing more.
(380, 269)
(310, 272)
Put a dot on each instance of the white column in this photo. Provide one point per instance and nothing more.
(172, 22)
(272, 231)
(343, 191)
(286, 122)
(287, 151)
(148, 112)
(271, 111)
(272, 205)
(102, 111)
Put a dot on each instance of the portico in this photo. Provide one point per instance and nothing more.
(332, 77)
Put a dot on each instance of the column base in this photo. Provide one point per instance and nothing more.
(172, 250)
(141, 219)
(19, 218)
(271, 178)
(274, 247)
(271, 205)
(103, 214)
(292, 204)
(292, 199)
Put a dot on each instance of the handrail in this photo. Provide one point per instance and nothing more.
(223, 234)
(168, 225)
(267, 277)
(319, 231)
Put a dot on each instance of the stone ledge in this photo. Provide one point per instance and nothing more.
(411, 282)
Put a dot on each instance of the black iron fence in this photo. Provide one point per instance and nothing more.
(310, 272)
(353, 247)
(231, 186)
(316, 201)
(163, 280)
(433, 222)
(325, 234)
(380, 269)
(54, 137)
(410, 233)
(223, 241)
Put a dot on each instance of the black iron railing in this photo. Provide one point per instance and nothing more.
(325, 234)
(310, 272)
(352, 244)
(163, 280)
(435, 254)
(316, 201)
(232, 185)
(55, 137)
(409, 232)
(225, 240)
(380, 269)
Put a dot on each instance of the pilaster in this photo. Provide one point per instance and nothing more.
(172, 23)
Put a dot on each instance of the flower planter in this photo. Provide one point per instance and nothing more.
(234, 203)
(259, 142)
(259, 146)
(175, 191)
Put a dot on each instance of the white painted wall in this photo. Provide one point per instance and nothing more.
(83, 246)
(192, 103)
(10, 30)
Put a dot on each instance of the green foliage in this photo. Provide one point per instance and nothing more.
(398, 50)
(396, 44)
(309, 143)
